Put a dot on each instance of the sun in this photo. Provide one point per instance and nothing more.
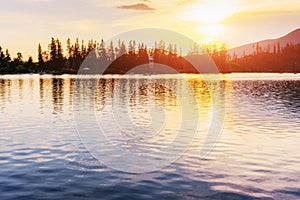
(210, 32)
(214, 29)
(207, 16)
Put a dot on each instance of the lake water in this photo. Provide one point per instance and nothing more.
(44, 154)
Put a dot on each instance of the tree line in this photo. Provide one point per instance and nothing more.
(271, 58)
(122, 57)
(53, 60)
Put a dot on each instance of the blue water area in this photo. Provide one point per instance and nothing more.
(255, 156)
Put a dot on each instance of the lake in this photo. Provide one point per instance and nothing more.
(150, 137)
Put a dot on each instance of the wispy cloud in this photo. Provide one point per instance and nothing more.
(34, 1)
(184, 2)
(137, 6)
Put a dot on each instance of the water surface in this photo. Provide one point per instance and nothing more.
(256, 156)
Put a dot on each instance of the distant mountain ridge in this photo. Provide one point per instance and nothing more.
(292, 38)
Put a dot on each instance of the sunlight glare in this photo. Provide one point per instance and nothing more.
(213, 29)
(212, 11)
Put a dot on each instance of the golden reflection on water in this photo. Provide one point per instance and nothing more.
(58, 91)
(160, 93)
(145, 95)
(142, 91)
(30, 94)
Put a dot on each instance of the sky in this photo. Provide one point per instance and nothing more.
(25, 23)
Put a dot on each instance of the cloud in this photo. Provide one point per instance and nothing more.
(138, 6)
(34, 1)
(184, 2)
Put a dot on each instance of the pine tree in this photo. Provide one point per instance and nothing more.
(102, 52)
(59, 53)
(59, 61)
(2, 59)
(53, 50)
(83, 50)
(69, 48)
(122, 49)
(111, 52)
(77, 54)
(40, 56)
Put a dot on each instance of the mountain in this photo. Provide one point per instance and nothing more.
(292, 37)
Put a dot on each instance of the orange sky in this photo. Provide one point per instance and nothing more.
(25, 23)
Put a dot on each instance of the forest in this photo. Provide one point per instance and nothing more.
(122, 57)
(273, 58)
